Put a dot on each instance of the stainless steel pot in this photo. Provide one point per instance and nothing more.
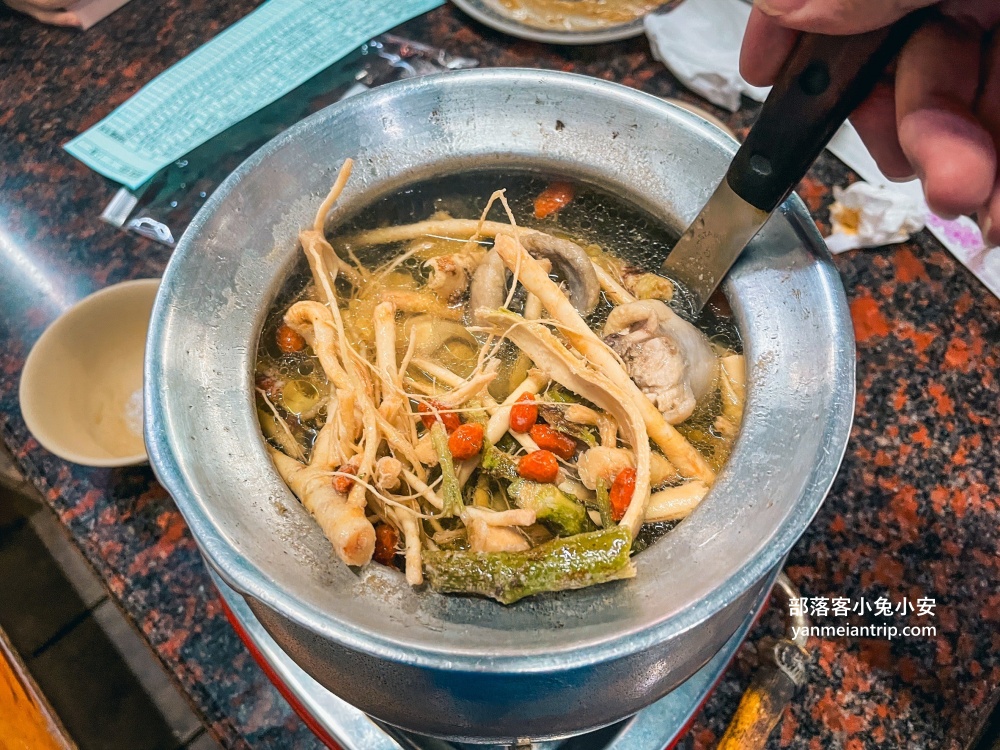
(453, 666)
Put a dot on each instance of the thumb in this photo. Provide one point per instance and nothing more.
(838, 16)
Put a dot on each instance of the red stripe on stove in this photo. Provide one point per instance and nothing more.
(708, 694)
(310, 721)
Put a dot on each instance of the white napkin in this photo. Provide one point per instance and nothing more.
(960, 236)
(89, 12)
(699, 41)
(865, 215)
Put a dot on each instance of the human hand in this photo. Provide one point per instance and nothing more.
(46, 11)
(939, 119)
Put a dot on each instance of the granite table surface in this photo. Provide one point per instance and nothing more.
(914, 513)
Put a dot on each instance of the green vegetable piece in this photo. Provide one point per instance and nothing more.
(561, 564)
(561, 513)
(579, 432)
(561, 395)
(476, 412)
(453, 503)
(481, 495)
(507, 443)
(498, 464)
(604, 504)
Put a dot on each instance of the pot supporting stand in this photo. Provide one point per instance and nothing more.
(779, 676)
(339, 725)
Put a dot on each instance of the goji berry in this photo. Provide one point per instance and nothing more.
(553, 198)
(343, 485)
(538, 466)
(431, 410)
(466, 441)
(386, 541)
(622, 490)
(524, 413)
(289, 341)
(552, 440)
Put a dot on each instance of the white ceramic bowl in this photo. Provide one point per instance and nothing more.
(81, 388)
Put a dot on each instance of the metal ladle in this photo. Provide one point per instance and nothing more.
(824, 80)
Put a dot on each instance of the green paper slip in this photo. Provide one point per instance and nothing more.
(260, 58)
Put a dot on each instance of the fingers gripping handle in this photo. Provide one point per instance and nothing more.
(824, 80)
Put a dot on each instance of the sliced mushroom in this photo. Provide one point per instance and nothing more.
(572, 263)
(569, 260)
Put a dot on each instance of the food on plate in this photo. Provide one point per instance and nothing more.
(575, 15)
(494, 408)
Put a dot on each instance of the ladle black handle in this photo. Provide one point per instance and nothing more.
(824, 80)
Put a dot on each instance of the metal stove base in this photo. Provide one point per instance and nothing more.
(340, 725)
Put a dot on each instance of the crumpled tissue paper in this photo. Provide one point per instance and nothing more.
(864, 215)
(89, 12)
(699, 42)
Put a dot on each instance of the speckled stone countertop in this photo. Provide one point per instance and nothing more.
(915, 511)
